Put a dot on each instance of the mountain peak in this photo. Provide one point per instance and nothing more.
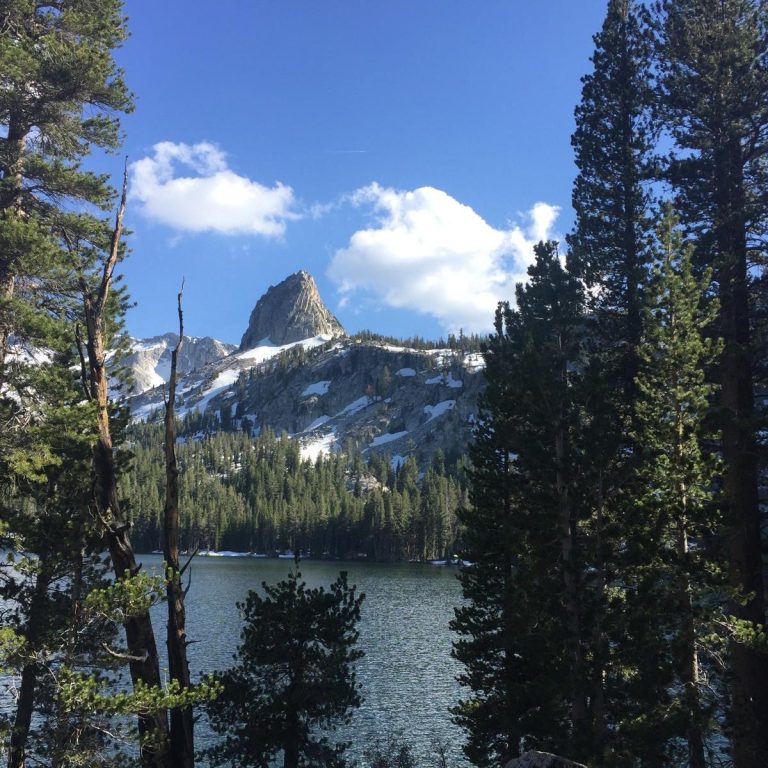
(290, 311)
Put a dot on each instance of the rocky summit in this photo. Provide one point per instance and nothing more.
(288, 312)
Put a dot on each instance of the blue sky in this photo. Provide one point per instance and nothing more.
(406, 153)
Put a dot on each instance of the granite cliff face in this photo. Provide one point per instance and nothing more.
(150, 359)
(288, 312)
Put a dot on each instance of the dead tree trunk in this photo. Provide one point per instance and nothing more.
(182, 725)
(144, 663)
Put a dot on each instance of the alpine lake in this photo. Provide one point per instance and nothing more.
(407, 676)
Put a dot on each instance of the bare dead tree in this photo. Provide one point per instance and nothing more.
(182, 724)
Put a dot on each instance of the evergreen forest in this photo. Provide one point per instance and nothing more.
(256, 494)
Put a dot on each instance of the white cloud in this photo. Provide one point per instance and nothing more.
(430, 253)
(210, 197)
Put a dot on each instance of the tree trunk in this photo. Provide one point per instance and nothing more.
(29, 675)
(578, 694)
(291, 746)
(62, 730)
(17, 748)
(144, 663)
(740, 480)
(600, 661)
(182, 733)
(690, 667)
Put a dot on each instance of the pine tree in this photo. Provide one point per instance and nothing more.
(520, 632)
(613, 144)
(714, 73)
(677, 566)
(294, 674)
(61, 91)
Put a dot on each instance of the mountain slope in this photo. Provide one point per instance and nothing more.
(150, 359)
(327, 390)
(336, 394)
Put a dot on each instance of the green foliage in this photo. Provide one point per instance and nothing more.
(91, 695)
(613, 144)
(714, 75)
(672, 572)
(126, 597)
(592, 622)
(294, 678)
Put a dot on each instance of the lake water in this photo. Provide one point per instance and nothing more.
(408, 677)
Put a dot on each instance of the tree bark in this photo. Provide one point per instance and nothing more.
(578, 694)
(182, 725)
(690, 668)
(600, 661)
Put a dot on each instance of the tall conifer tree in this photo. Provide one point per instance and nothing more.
(610, 251)
(674, 566)
(613, 142)
(60, 97)
(714, 65)
(520, 634)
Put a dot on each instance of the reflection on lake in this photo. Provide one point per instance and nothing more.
(407, 675)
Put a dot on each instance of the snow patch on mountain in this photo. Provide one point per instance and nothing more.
(446, 379)
(321, 445)
(355, 406)
(433, 411)
(149, 360)
(387, 438)
(266, 351)
(318, 388)
(317, 423)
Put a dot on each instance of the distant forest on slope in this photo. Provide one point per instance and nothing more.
(256, 494)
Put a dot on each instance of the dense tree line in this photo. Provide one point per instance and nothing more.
(458, 342)
(256, 494)
(617, 610)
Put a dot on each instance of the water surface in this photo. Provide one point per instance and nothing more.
(408, 676)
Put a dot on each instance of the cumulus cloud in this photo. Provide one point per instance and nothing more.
(430, 253)
(192, 189)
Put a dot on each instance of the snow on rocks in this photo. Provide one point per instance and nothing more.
(318, 446)
(318, 388)
(389, 437)
(433, 411)
(355, 406)
(267, 350)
